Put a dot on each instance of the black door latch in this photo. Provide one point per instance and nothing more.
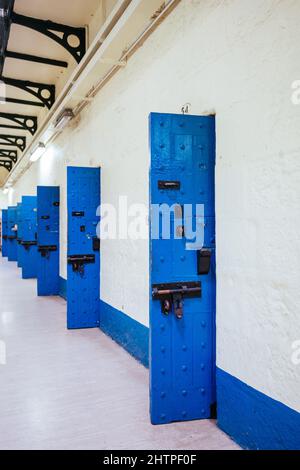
(45, 249)
(28, 244)
(78, 262)
(171, 295)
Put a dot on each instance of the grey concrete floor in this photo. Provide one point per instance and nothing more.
(65, 389)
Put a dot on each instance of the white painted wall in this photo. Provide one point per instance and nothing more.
(239, 59)
(3, 201)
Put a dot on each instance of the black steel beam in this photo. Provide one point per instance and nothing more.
(43, 92)
(60, 33)
(18, 101)
(10, 154)
(19, 121)
(13, 141)
(34, 58)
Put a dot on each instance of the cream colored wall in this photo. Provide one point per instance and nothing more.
(238, 59)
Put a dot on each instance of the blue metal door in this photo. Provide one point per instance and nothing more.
(29, 237)
(4, 232)
(48, 240)
(83, 284)
(182, 272)
(19, 239)
(12, 247)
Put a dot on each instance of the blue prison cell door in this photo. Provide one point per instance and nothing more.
(182, 281)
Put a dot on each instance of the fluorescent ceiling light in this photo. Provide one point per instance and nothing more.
(38, 152)
(63, 119)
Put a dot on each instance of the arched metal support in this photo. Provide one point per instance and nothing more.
(6, 164)
(19, 121)
(44, 93)
(13, 141)
(11, 154)
(71, 38)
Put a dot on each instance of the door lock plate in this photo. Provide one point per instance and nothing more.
(204, 261)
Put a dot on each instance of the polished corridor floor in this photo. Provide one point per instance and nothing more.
(75, 389)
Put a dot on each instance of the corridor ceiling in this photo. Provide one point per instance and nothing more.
(41, 43)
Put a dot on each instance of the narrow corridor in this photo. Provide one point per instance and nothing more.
(65, 389)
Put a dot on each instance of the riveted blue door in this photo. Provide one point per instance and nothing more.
(83, 284)
(19, 239)
(12, 247)
(29, 237)
(48, 240)
(4, 233)
(182, 270)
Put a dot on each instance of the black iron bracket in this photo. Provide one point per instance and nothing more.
(20, 121)
(6, 164)
(35, 58)
(44, 93)
(5, 24)
(13, 141)
(11, 154)
(71, 38)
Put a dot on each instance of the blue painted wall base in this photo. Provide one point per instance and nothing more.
(254, 420)
(20, 254)
(29, 262)
(130, 334)
(62, 288)
(12, 250)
